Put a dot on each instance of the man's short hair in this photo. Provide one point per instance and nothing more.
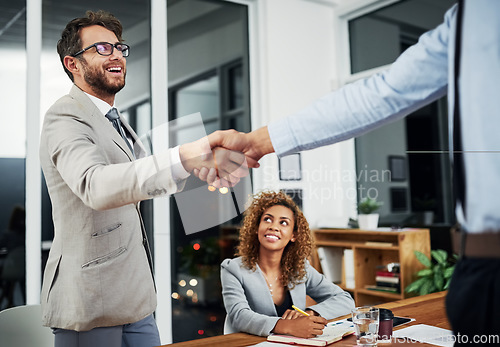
(70, 41)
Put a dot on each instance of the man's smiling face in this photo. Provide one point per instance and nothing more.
(103, 75)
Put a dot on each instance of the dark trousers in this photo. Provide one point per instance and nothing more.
(143, 333)
(473, 302)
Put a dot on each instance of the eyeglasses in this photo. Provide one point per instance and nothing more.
(106, 48)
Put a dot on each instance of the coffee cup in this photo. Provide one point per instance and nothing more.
(385, 325)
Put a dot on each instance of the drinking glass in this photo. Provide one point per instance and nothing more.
(366, 319)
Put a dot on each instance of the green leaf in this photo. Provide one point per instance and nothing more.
(440, 256)
(448, 281)
(449, 272)
(421, 257)
(367, 206)
(433, 288)
(438, 281)
(424, 272)
(426, 286)
(415, 286)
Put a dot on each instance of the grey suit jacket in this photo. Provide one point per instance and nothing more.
(98, 272)
(250, 307)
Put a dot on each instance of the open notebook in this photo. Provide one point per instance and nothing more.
(333, 332)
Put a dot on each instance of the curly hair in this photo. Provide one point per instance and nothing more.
(70, 41)
(294, 256)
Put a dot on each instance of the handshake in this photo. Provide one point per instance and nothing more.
(224, 157)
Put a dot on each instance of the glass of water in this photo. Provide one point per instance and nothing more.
(365, 321)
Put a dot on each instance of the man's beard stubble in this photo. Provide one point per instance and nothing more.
(98, 82)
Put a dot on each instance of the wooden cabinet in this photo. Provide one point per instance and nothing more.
(375, 248)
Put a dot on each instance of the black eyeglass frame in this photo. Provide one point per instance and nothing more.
(113, 46)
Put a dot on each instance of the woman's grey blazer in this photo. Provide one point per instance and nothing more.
(250, 307)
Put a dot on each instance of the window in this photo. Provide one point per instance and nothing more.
(12, 153)
(208, 73)
(377, 39)
(218, 95)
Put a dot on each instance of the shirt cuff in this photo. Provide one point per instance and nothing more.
(178, 171)
(282, 137)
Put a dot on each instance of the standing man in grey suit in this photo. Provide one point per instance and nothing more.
(98, 287)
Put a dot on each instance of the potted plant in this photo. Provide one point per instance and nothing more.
(426, 206)
(437, 273)
(367, 219)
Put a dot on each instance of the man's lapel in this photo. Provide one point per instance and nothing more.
(92, 109)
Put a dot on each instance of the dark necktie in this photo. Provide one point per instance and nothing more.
(458, 154)
(114, 118)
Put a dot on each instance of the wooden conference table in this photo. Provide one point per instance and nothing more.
(427, 309)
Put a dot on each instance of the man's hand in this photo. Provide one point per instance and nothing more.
(254, 145)
(224, 157)
(219, 167)
(231, 166)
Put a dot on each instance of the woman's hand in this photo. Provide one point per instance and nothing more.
(302, 326)
(292, 314)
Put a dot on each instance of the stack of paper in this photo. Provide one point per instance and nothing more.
(427, 334)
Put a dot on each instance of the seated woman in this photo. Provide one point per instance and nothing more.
(272, 273)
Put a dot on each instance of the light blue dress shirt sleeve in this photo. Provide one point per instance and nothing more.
(418, 77)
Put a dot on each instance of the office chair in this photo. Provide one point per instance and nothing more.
(21, 326)
(12, 273)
